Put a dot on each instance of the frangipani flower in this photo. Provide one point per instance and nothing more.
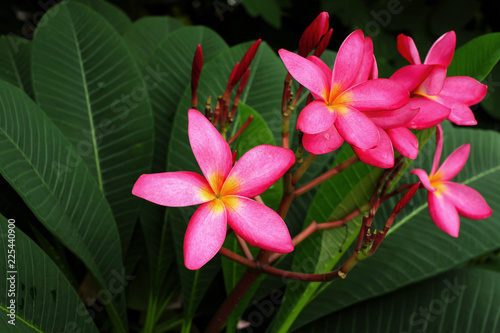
(393, 134)
(342, 95)
(435, 94)
(448, 199)
(223, 192)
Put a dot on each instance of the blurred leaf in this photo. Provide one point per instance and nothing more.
(145, 34)
(114, 15)
(476, 58)
(270, 10)
(86, 80)
(462, 12)
(415, 249)
(462, 300)
(44, 300)
(491, 102)
(70, 205)
(15, 56)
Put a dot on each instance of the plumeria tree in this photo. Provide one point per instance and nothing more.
(301, 186)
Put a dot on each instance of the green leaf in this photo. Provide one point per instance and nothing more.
(145, 34)
(173, 59)
(462, 300)
(15, 53)
(69, 204)
(262, 93)
(114, 15)
(44, 301)
(476, 58)
(320, 252)
(269, 10)
(415, 249)
(88, 83)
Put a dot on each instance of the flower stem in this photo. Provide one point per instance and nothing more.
(303, 168)
(240, 130)
(327, 175)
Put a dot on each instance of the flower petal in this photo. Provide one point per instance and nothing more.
(441, 52)
(357, 129)
(348, 60)
(307, 73)
(382, 156)
(322, 143)
(408, 49)
(433, 83)
(173, 189)
(443, 213)
(367, 63)
(258, 224)
(205, 234)
(393, 118)
(316, 117)
(378, 94)
(464, 89)
(257, 170)
(211, 151)
(439, 149)
(411, 76)
(424, 179)
(468, 202)
(460, 113)
(454, 163)
(404, 141)
(430, 113)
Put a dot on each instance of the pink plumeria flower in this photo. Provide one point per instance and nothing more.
(448, 199)
(394, 135)
(435, 94)
(223, 192)
(342, 95)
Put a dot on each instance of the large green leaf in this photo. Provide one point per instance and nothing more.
(44, 301)
(145, 34)
(114, 15)
(415, 249)
(262, 93)
(320, 252)
(86, 80)
(15, 56)
(173, 57)
(476, 58)
(462, 300)
(70, 205)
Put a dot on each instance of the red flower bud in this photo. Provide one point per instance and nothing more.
(323, 44)
(313, 33)
(195, 74)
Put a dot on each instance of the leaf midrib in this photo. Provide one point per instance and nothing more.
(89, 107)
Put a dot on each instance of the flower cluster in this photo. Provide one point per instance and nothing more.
(375, 115)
